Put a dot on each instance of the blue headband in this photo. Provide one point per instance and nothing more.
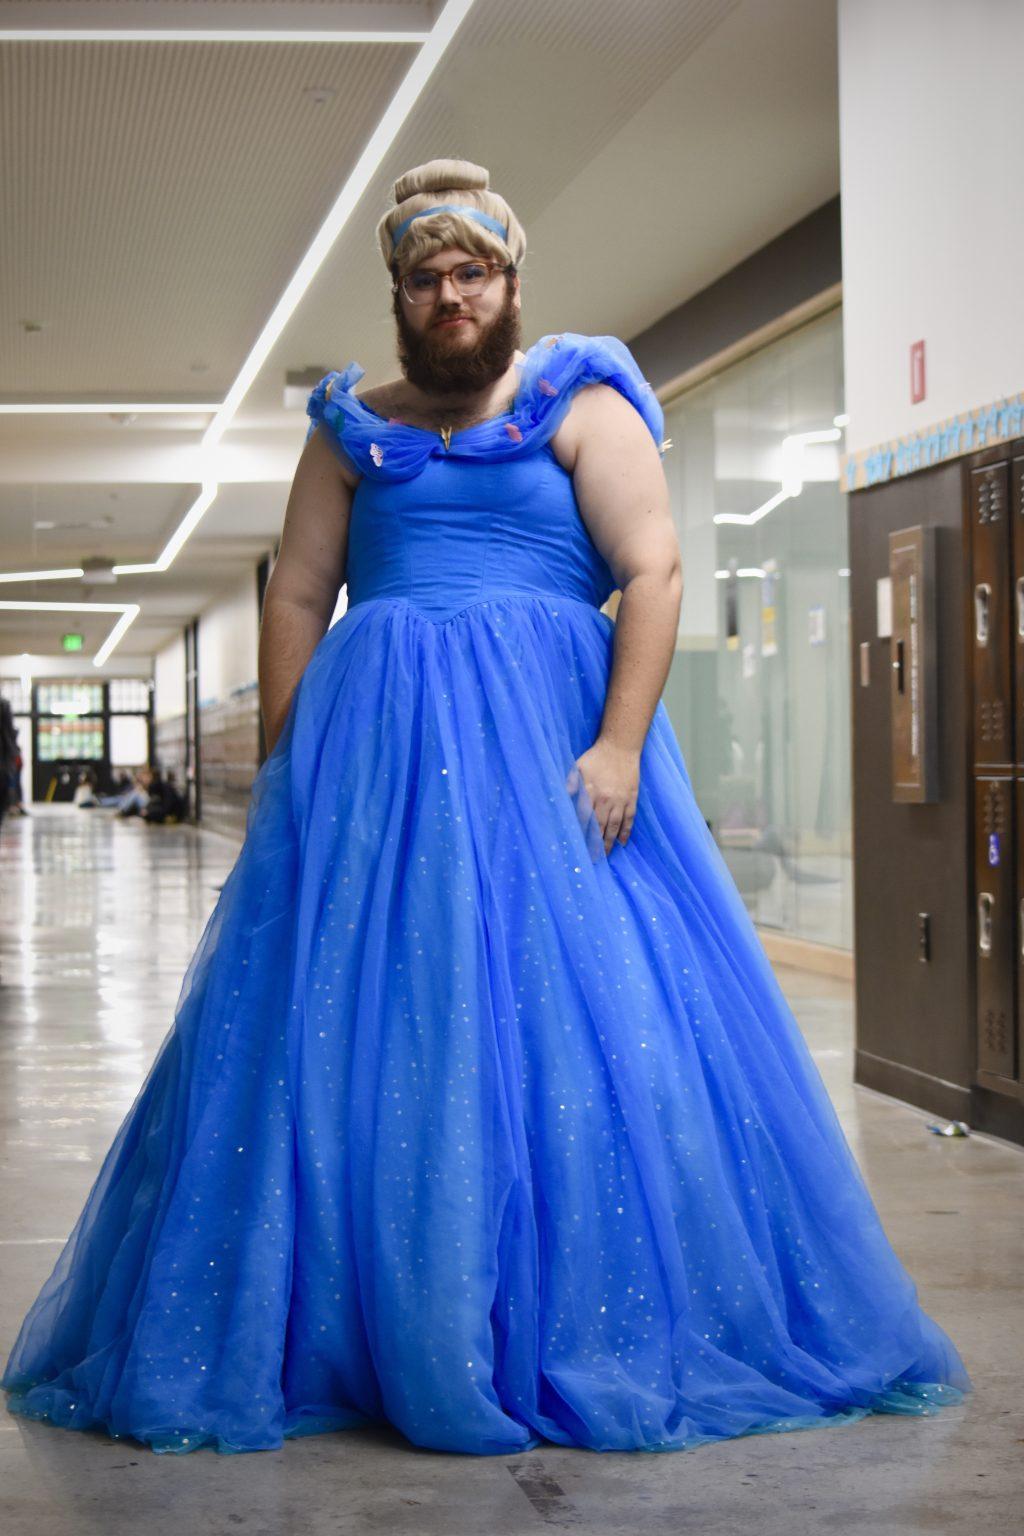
(464, 208)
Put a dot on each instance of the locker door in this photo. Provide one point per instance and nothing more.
(995, 925)
(995, 809)
(1016, 522)
(1017, 540)
(992, 649)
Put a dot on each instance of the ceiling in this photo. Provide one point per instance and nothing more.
(156, 198)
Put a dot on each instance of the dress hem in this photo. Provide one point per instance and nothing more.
(920, 1399)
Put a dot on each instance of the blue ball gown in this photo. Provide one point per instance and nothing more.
(463, 1124)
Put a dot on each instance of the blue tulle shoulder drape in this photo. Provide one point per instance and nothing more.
(553, 370)
(463, 1124)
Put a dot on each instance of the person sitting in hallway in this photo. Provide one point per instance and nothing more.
(85, 790)
(134, 800)
(166, 803)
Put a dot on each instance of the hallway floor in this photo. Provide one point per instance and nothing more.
(98, 919)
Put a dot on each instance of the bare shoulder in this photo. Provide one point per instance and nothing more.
(596, 410)
(320, 461)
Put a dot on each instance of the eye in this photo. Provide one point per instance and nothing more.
(422, 280)
(472, 271)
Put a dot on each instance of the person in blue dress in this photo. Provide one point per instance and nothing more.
(481, 1114)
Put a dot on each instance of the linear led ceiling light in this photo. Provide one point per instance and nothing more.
(211, 34)
(362, 173)
(128, 611)
(178, 537)
(792, 475)
(434, 44)
(92, 408)
(57, 575)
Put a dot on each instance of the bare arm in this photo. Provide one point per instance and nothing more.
(307, 576)
(623, 498)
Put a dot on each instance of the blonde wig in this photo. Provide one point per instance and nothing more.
(481, 221)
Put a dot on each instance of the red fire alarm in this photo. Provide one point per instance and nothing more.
(916, 372)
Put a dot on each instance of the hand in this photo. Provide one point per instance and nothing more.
(611, 777)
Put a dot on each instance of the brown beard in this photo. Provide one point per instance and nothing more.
(437, 372)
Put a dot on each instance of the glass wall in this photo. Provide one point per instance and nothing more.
(759, 691)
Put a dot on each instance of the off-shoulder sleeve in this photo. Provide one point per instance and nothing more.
(376, 449)
(560, 365)
(552, 371)
(331, 405)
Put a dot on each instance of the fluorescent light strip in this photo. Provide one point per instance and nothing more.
(434, 46)
(756, 570)
(210, 35)
(59, 575)
(178, 537)
(362, 174)
(747, 518)
(128, 611)
(111, 408)
(792, 477)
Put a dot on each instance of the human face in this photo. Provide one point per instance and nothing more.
(465, 357)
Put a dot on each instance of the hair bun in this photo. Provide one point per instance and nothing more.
(442, 176)
(448, 203)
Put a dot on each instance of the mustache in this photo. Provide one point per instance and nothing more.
(443, 372)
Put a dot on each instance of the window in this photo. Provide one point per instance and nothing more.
(759, 688)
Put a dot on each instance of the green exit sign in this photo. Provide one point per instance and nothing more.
(71, 642)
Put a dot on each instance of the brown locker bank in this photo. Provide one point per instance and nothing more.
(937, 625)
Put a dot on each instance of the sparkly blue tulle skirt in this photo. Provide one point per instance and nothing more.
(465, 1125)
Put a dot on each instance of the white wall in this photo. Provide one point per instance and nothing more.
(169, 680)
(931, 114)
(229, 641)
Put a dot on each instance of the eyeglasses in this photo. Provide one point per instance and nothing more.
(422, 285)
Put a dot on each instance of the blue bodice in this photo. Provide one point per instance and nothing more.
(494, 512)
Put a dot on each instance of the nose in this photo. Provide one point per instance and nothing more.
(447, 277)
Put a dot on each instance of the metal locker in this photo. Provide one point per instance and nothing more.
(1017, 540)
(995, 925)
(995, 684)
(1016, 522)
(992, 649)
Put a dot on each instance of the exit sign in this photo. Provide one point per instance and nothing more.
(917, 372)
(71, 642)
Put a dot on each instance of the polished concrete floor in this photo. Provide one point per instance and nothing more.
(97, 921)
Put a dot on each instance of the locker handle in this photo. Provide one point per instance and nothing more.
(982, 598)
(985, 905)
(898, 667)
(1020, 607)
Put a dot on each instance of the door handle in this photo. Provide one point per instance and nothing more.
(982, 602)
(985, 905)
